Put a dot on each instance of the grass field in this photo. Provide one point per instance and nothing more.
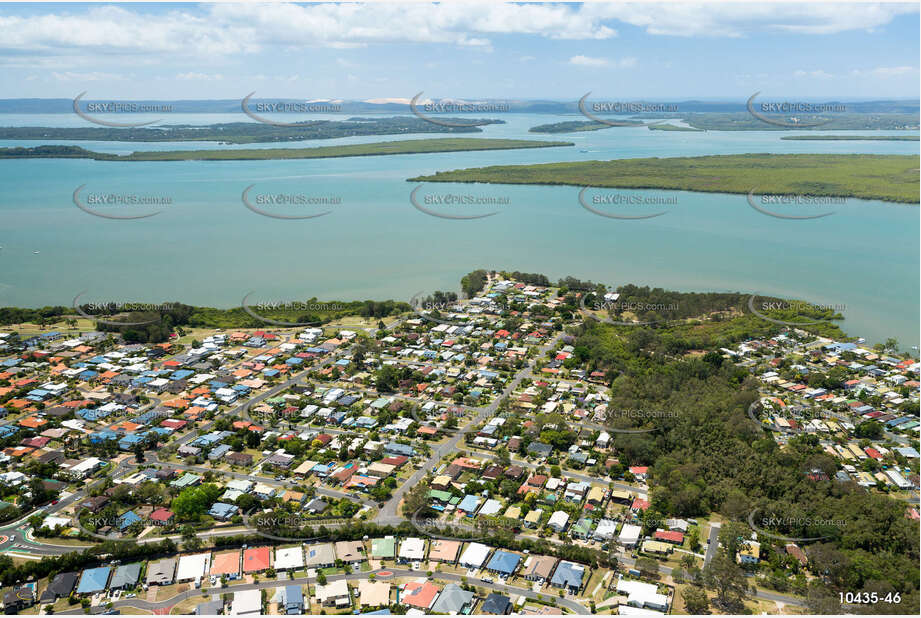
(892, 178)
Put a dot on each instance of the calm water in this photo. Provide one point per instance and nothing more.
(207, 248)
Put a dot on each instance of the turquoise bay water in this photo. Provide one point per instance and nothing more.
(207, 248)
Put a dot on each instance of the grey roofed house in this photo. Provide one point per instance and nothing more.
(539, 449)
(161, 573)
(497, 604)
(316, 506)
(61, 586)
(126, 575)
(452, 600)
(210, 608)
(320, 555)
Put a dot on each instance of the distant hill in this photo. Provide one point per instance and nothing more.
(532, 106)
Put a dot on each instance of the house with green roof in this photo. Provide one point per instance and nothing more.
(441, 496)
(383, 549)
(582, 529)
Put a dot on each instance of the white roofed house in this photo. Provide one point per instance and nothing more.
(474, 556)
(558, 521)
(412, 549)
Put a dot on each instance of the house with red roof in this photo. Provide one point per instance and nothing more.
(669, 536)
(256, 559)
(162, 517)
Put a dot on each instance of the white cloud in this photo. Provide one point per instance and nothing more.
(816, 74)
(588, 61)
(95, 76)
(884, 72)
(200, 77)
(233, 28)
(725, 19)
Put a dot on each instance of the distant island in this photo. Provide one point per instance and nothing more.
(246, 132)
(664, 126)
(892, 178)
(447, 144)
(874, 138)
(744, 121)
(575, 126)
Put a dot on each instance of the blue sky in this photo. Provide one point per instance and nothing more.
(474, 50)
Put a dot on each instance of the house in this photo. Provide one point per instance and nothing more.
(419, 594)
(538, 568)
(19, 598)
(293, 600)
(412, 549)
(320, 556)
(539, 450)
(289, 558)
(453, 600)
(94, 580)
(162, 517)
(503, 563)
(568, 576)
(350, 552)
(749, 552)
(126, 576)
(192, 567)
(558, 521)
(373, 594)
(161, 572)
(496, 604)
(60, 586)
(239, 459)
(642, 595)
(334, 594)
(246, 603)
(474, 556)
(222, 511)
(443, 550)
(629, 535)
(383, 548)
(226, 564)
(257, 559)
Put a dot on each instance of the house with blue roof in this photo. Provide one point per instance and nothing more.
(8, 430)
(87, 375)
(126, 520)
(128, 442)
(366, 422)
(503, 562)
(91, 415)
(37, 394)
(218, 451)
(181, 374)
(98, 437)
(222, 511)
(294, 360)
(270, 373)
(568, 575)
(94, 580)
(347, 400)
(469, 505)
(395, 448)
